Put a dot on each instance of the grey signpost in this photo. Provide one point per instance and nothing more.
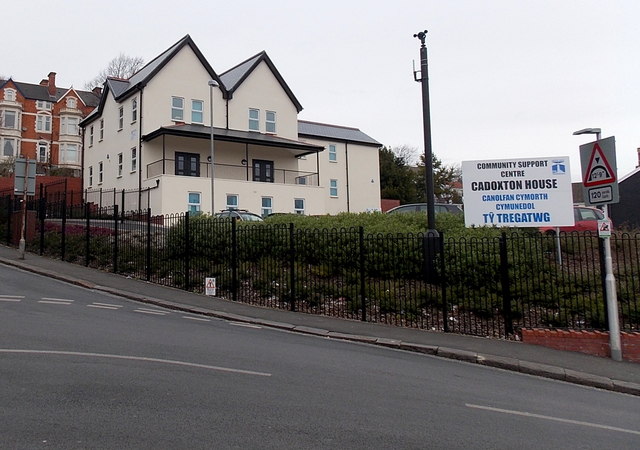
(24, 184)
(600, 187)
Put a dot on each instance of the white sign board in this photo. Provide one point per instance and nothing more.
(531, 192)
(210, 286)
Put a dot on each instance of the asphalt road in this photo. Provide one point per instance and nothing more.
(81, 369)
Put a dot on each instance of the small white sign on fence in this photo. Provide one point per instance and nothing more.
(210, 286)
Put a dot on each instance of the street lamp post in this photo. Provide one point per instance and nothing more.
(212, 84)
(610, 282)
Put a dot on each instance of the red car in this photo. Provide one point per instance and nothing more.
(586, 219)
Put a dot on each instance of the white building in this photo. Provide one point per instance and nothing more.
(152, 133)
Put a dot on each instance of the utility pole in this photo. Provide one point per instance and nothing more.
(426, 121)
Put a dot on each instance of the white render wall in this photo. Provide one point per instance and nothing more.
(261, 90)
(363, 175)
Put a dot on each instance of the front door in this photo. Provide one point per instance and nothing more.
(263, 170)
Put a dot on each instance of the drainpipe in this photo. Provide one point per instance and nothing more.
(346, 158)
(140, 109)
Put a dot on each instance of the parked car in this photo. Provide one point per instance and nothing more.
(452, 208)
(240, 214)
(586, 219)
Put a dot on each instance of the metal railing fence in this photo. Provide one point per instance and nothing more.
(490, 286)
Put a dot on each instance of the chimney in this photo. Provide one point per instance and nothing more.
(98, 91)
(52, 83)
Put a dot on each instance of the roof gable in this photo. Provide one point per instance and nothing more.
(234, 77)
(124, 88)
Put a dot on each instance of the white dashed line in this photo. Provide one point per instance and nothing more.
(555, 419)
(55, 302)
(66, 300)
(104, 306)
(246, 325)
(200, 319)
(10, 299)
(12, 296)
(151, 311)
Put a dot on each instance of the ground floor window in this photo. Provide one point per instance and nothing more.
(194, 202)
(267, 206)
(232, 201)
(298, 206)
(333, 188)
(9, 147)
(43, 152)
(68, 154)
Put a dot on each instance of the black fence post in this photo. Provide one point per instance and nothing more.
(87, 248)
(42, 215)
(363, 297)
(187, 256)
(148, 255)
(122, 208)
(603, 280)
(234, 260)
(292, 266)
(9, 218)
(63, 240)
(115, 239)
(506, 291)
(443, 284)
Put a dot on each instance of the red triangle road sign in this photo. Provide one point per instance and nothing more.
(599, 170)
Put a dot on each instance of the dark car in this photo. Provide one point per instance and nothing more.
(585, 217)
(451, 208)
(240, 214)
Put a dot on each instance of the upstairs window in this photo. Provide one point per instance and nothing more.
(68, 153)
(134, 110)
(43, 152)
(10, 95)
(121, 118)
(43, 105)
(69, 125)
(43, 123)
(270, 125)
(90, 135)
(177, 108)
(197, 106)
(101, 130)
(9, 119)
(254, 119)
(333, 154)
(71, 102)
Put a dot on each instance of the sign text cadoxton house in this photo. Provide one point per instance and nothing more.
(518, 192)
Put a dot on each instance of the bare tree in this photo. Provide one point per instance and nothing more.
(409, 155)
(122, 66)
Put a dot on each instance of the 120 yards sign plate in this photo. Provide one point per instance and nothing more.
(530, 192)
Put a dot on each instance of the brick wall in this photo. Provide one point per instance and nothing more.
(590, 342)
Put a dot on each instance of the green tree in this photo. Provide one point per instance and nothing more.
(445, 178)
(397, 180)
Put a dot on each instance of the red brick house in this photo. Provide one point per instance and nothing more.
(41, 122)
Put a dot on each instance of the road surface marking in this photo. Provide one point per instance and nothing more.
(151, 311)
(137, 358)
(201, 319)
(557, 419)
(246, 325)
(106, 304)
(56, 302)
(12, 297)
(58, 299)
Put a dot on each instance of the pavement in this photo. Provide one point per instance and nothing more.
(572, 367)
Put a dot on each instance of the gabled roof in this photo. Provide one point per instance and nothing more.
(123, 88)
(235, 76)
(334, 132)
(41, 92)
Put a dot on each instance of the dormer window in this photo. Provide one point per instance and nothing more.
(72, 103)
(43, 105)
(10, 95)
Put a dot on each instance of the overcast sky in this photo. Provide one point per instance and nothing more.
(508, 78)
